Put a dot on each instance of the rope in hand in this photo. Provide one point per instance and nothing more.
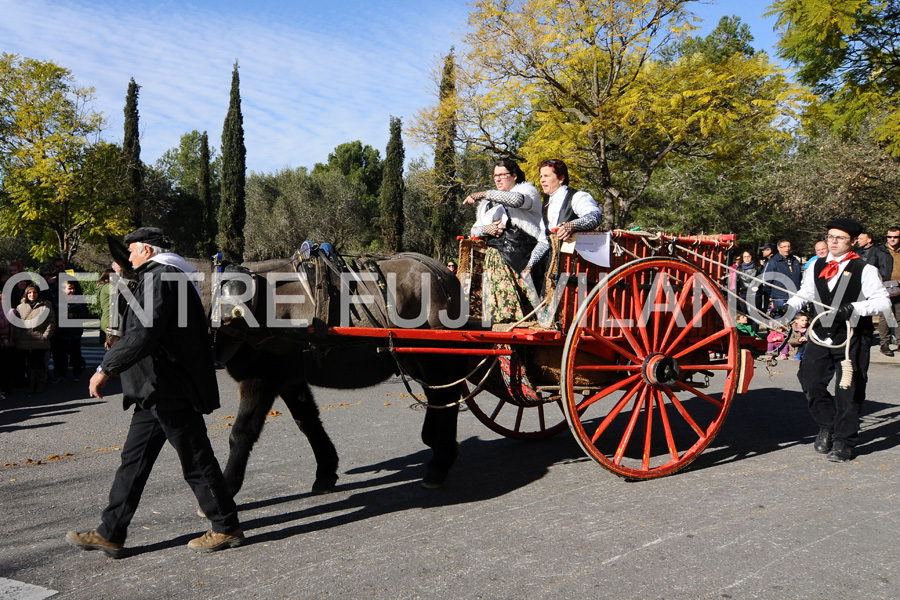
(846, 364)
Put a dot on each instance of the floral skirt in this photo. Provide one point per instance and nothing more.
(502, 297)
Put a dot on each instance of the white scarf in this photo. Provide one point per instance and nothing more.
(173, 260)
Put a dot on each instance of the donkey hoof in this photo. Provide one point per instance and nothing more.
(434, 478)
(324, 485)
(200, 512)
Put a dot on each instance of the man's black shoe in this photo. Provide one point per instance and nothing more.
(886, 350)
(823, 442)
(840, 453)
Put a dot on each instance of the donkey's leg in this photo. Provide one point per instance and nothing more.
(256, 401)
(439, 434)
(302, 406)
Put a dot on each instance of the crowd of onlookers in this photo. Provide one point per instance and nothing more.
(778, 266)
(37, 324)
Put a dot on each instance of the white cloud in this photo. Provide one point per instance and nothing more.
(308, 81)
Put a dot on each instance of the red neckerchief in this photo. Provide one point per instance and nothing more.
(831, 269)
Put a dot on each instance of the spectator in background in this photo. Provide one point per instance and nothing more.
(782, 270)
(104, 292)
(766, 252)
(15, 296)
(7, 352)
(884, 328)
(33, 337)
(66, 343)
(797, 341)
(743, 283)
(875, 255)
(821, 252)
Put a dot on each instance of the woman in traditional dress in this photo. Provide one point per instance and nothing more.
(508, 219)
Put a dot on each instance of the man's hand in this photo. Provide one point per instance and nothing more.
(98, 380)
(778, 311)
(844, 313)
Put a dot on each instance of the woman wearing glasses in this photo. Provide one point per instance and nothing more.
(508, 219)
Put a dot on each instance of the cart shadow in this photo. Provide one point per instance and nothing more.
(489, 468)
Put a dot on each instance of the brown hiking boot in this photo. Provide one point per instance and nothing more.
(91, 540)
(212, 541)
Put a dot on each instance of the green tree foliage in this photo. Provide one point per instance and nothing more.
(286, 208)
(176, 188)
(825, 175)
(444, 224)
(232, 210)
(207, 242)
(847, 50)
(361, 165)
(131, 150)
(61, 186)
(418, 203)
(392, 190)
(730, 37)
(590, 84)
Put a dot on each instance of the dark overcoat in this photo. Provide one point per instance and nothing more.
(164, 357)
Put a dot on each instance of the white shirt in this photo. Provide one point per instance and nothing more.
(582, 203)
(877, 300)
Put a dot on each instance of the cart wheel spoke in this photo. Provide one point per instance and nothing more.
(626, 437)
(667, 427)
(615, 411)
(605, 341)
(699, 394)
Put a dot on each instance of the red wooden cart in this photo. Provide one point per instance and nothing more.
(642, 359)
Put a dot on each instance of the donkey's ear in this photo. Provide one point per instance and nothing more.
(120, 253)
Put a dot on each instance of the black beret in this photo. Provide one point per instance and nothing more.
(149, 235)
(770, 246)
(852, 227)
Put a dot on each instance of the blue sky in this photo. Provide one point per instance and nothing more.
(313, 74)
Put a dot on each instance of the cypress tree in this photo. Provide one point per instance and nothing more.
(232, 210)
(443, 222)
(131, 147)
(392, 190)
(207, 240)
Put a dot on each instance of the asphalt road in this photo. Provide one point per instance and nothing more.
(758, 515)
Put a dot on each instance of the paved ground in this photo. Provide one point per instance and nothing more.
(758, 515)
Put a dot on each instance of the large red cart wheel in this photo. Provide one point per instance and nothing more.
(512, 408)
(645, 335)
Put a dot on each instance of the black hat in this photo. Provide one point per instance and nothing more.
(770, 246)
(149, 235)
(851, 226)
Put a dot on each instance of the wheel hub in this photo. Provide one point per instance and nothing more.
(660, 370)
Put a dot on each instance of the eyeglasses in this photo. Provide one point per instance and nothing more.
(502, 175)
(893, 237)
(837, 238)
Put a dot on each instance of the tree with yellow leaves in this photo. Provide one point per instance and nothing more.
(59, 184)
(587, 81)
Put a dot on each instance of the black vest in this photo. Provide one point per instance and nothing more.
(848, 289)
(566, 212)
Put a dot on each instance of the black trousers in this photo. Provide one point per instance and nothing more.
(63, 349)
(838, 412)
(186, 431)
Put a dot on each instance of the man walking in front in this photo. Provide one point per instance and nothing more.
(854, 289)
(167, 373)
